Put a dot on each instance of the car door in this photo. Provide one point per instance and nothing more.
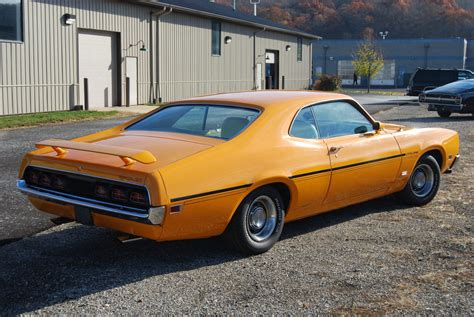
(309, 163)
(364, 162)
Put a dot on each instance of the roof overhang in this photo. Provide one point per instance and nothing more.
(160, 4)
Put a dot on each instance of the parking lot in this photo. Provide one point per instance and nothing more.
(378, 257)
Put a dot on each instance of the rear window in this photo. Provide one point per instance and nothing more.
(222, 122)
(438, 77)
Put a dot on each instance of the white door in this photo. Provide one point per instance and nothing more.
(258, 77)
(98, 63)
(132, 73)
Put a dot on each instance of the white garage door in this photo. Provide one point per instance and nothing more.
(98, 63)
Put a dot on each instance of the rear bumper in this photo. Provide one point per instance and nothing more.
(154, 216)
(444, 107)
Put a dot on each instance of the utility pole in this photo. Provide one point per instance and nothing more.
(234, 5)
(255, 3)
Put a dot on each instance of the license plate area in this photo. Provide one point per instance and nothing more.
(84, 216)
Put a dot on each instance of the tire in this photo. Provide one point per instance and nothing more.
(444, 113)
(423, 183)
(258, 222)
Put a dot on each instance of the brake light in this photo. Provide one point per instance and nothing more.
(138, 198)
(45, 180)
(119, 194)
(102, 191)
(59, 182)
(33, 177)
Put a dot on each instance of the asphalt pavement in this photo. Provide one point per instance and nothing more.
(19, 219)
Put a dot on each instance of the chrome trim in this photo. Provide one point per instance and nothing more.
(154, 216)
(92, 176)
(455, 99)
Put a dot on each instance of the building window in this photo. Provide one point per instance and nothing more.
(300, 49)
(11, 20)
(216, 38)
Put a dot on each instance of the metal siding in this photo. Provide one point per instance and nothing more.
(41, 74)
(297, 74)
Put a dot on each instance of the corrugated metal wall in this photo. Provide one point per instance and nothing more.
(189, 69)
(41, 74)
(297, 74)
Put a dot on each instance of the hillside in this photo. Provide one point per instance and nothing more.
(346, 19)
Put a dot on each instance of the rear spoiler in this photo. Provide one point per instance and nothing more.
(127, 155)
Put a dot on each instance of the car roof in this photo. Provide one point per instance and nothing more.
(269, 98)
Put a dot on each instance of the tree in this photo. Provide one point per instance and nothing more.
(368, 61)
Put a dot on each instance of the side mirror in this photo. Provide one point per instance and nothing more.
(377, 125)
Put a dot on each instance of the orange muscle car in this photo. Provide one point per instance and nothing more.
(237, 164)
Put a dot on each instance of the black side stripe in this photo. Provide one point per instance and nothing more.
(347, 166)
(211, 193)
(310, 173)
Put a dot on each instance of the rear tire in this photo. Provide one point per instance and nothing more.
(423, 183)
(258, 222)
(444, 113)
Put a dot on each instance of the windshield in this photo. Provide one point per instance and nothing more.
(222, 122)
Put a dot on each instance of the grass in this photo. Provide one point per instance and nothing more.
(373, 92)
(30, 120)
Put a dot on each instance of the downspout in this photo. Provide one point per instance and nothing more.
(311, 79)
(255, 57)
(159, 15)
(152, 56)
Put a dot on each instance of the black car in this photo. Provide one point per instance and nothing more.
(455, 97)
(427, 79)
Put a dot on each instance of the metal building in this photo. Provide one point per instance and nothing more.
(402, 58)
(57, 54)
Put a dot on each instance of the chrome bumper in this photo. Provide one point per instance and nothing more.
(155, 216)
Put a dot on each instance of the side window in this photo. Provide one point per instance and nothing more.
(463, 75)
(299, 52)
(216, 38)
(304, 125)
(340, 118)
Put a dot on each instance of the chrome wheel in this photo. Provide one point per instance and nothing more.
(261, 218)
(422, 180)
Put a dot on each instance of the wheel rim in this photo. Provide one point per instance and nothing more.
(261, 218)
(422, 180)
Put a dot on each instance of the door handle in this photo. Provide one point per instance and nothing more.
(335, 149)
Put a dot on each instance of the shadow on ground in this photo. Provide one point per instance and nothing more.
(74, 262)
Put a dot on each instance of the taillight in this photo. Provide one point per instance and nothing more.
(119, 194)
(138, 198)
(59, 182)
(33, 177)
(45, 180)
(102, 191)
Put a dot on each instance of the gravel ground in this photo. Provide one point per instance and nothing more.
(379, 257)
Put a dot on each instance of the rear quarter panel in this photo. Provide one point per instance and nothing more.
(415, 143)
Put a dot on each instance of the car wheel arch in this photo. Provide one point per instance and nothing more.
(438, 154)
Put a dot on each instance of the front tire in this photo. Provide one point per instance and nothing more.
(258, 222)
(423, 183)
(444, 113)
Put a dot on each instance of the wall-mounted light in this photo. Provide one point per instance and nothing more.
(142, 48)
(69, 19)
(288, 48)
(228, 40)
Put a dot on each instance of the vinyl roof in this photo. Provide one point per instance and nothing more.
(207, 8)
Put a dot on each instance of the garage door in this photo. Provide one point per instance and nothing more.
(98, 63)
